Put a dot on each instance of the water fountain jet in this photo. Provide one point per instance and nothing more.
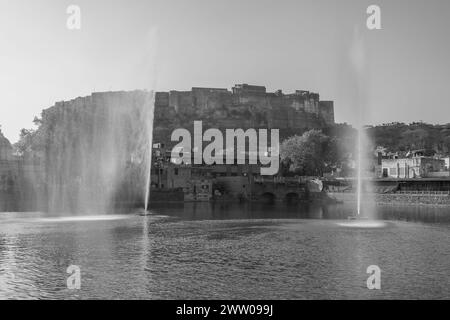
(149, 156)
(96, 152)
(358, 63)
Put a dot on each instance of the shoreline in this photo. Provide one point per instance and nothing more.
(397, 199)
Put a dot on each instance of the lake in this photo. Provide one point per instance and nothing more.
(227, 251)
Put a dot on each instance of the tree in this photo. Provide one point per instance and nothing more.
(415, 138)
(309, 154)
(25, 143)
(417, 135)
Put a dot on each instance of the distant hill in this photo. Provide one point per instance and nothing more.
(417, 135)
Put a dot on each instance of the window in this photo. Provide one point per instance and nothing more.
(176, 171)
(392, 171)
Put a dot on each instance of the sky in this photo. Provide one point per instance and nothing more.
(175, 45)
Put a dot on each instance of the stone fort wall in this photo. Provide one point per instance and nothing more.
(245, 106)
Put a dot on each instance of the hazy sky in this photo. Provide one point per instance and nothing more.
(288, 45)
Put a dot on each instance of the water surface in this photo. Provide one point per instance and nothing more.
(226, 251)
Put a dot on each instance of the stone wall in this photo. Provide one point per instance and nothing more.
(244, 107)
(395, 198)
(20, 186)
(8, 185)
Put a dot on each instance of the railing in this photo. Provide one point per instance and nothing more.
(424, 192)
(349, 190)
(281, 180)
(446, 193)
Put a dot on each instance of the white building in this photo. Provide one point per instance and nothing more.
(447, 163)
(415, 166)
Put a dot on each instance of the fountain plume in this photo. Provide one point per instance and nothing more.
(360, 71)
(149, 154)
(96, 151)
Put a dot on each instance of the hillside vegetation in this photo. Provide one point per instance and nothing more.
(417, 135)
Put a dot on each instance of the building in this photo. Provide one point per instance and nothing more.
(245, 106)
(194, 181)
(416, 165)
(238, 187)
(198, 190)
(447, 163)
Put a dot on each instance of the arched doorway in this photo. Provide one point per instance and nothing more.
(292, 198)
(268, 198)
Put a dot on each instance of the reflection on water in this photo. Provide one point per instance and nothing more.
(202, 250)
(362, 224)
(231, 210)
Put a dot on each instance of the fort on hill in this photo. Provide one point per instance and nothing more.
(245, 106)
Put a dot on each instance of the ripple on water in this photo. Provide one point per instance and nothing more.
(83, 218)
(362, 224)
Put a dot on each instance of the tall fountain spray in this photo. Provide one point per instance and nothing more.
(359, 66)
(150, 57)
(359, 187)
(363, 185)
(96, 151)
(149, 153)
